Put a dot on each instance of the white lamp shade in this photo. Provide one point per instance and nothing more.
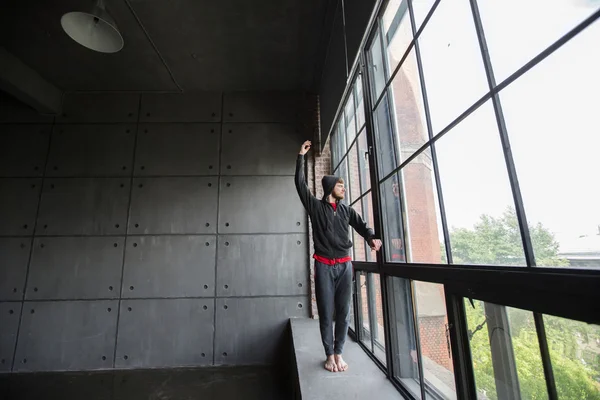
(96, 30)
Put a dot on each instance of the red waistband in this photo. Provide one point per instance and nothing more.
(332, 261)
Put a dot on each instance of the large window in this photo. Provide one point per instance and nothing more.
(560, 203)
(479, 205)
(505, 352)
(469, 138)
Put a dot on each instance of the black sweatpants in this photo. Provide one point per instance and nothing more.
(333, 287)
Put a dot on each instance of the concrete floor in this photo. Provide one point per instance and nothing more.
(223, 383)
(363, 380)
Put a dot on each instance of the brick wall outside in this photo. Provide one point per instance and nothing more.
(433, 343)
(421, 210)
(318, 165)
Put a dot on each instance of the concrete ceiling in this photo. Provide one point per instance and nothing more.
(173, 45)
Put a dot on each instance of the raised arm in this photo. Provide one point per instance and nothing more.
(308, 200)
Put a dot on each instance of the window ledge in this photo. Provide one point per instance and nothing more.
(363, 380)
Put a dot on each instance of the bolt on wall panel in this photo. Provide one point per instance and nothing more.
(75, 268)
(187, 107)
(165, 333)
(260, 204)
(262, 265)
(260, 149)
(19, 200)
(67, 336)
(178, 149)
(283, 107)
(92, 150)
(102, 108)
(174, 205)
(9, 325)
(251, 330)
(84, 206)
(14, 256)
(23, 149)
(169, 266)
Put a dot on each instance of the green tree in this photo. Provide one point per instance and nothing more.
(497, 241)
(574, 380)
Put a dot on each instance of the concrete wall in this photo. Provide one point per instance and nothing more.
(151, 230)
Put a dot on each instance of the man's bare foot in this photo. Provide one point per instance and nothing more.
(330, 364)
(340, 363)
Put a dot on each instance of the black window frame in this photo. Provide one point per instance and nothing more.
(564, 292)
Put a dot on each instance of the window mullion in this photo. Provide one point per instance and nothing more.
(510, 163)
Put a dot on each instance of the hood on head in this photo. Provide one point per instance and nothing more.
(329, 182)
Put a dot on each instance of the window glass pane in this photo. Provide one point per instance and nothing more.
(452, 63)
(360, 103)
(504, 343)
(404, 350)
(421, 8)
(507, 23)
(357, 240)
(364, 312)
(434, 338)
(369, 218)
(425, 238)
(363, 162)
(386, 140)
(337, 143)
(477, 195)
(333, 142)
(342, 172)
(378, 329)
(338, 146)
(350, 118)
(354, 174)
(575, 355)
(342, 144)
(393, 219)
(376, 67)
(398, 32)
(408, 108)
(553, 131)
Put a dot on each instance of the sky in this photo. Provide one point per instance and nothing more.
(551, 112)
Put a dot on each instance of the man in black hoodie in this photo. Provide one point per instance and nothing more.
(333, 267)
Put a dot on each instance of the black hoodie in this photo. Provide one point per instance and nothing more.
(330, 227)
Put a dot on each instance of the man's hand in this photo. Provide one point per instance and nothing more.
(375, 244)
(305, 147)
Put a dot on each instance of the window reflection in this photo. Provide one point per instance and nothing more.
(398, 32)
(386, 141)
(364, 312)
(393, 217)
(353, 186)
(379, 332)
(406, 368)
(434, 339)
(376, 68)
